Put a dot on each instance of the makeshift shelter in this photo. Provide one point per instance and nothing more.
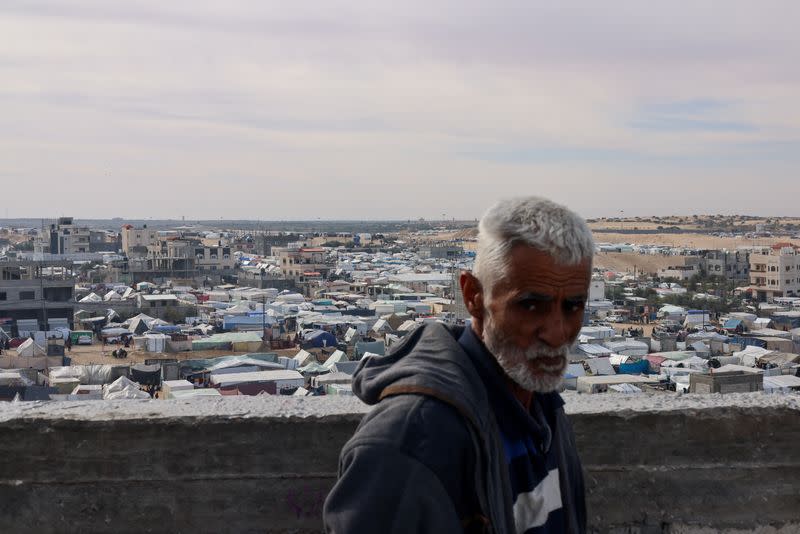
(374, 347)
(778, 359)
(318, 339)
(672, 313)
(155, 342)
(345, 367)
(331, 378)
(111, 295)
(408, 326)
(148, 375)
(313, 368)
(734, 325)
(592, 350)
(697, 318)
(781, 384)
(336, 357)
(30, 349)
(236, 341)
(242, 364)
(624, 388)
(303, 358)
(750, 355)
(628, 347)
(635, 368)
(140, 324)
(123, 388)
(381, 326)
(92, 297)
(600, 366)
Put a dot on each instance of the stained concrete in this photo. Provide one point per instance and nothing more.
(264, 464)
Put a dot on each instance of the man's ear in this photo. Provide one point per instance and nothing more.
(472, 291)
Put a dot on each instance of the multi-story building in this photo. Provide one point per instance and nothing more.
(177, 258)
(775, 272)
(136, 240)
(733, 265)
(300, 263)
(39, 294)
(692, 265)
(441, 252)
(64, 237)
(215, 259)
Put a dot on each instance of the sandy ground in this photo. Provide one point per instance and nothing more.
(94, 354)
(628, 261)
(702, 241)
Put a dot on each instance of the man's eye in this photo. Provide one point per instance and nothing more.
(529, 305)
(576, 306)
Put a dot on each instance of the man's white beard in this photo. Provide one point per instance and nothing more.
(514, 361)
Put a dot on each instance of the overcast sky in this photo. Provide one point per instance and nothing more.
(366, 109)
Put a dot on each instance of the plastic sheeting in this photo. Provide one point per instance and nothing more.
(155, 342)
(30, 349)
(123, 388)
(146, 374)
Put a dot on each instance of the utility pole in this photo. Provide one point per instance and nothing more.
(263, 319)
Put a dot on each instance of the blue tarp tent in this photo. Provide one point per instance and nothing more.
(733, 324)
(318, 339)
(642, 366)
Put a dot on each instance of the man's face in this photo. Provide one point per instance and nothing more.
(534, 314)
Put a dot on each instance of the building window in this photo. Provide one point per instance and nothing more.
(27, 295)
(3, 296)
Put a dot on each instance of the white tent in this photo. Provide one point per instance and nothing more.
(675, 313)
(751, 354)
(123, 388)
(92, 297)
(155, 342)
(29, 348)
(381, 326)
(303, 358)
(112, 295)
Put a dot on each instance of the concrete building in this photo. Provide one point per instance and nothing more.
(441, 252)
(732, 382)
(214, 259)
(775, 272)
(733, 265)
(691, 266)
(40, 293)
(303, 263)
(137, 240)
(64, 237)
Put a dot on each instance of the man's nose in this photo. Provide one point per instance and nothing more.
(555, 330)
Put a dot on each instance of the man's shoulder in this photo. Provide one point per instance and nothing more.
(415, 424)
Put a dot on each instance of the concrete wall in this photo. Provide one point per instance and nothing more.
(653, 464)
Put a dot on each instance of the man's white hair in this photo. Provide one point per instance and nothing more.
(533, 221)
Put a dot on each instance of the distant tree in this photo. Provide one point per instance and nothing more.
(173, 315)
(24, 246)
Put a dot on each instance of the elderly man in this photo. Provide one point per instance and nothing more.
(469, 433)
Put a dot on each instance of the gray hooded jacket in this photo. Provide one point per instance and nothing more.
(428, 457)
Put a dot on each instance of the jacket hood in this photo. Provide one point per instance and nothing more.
(430, 361)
